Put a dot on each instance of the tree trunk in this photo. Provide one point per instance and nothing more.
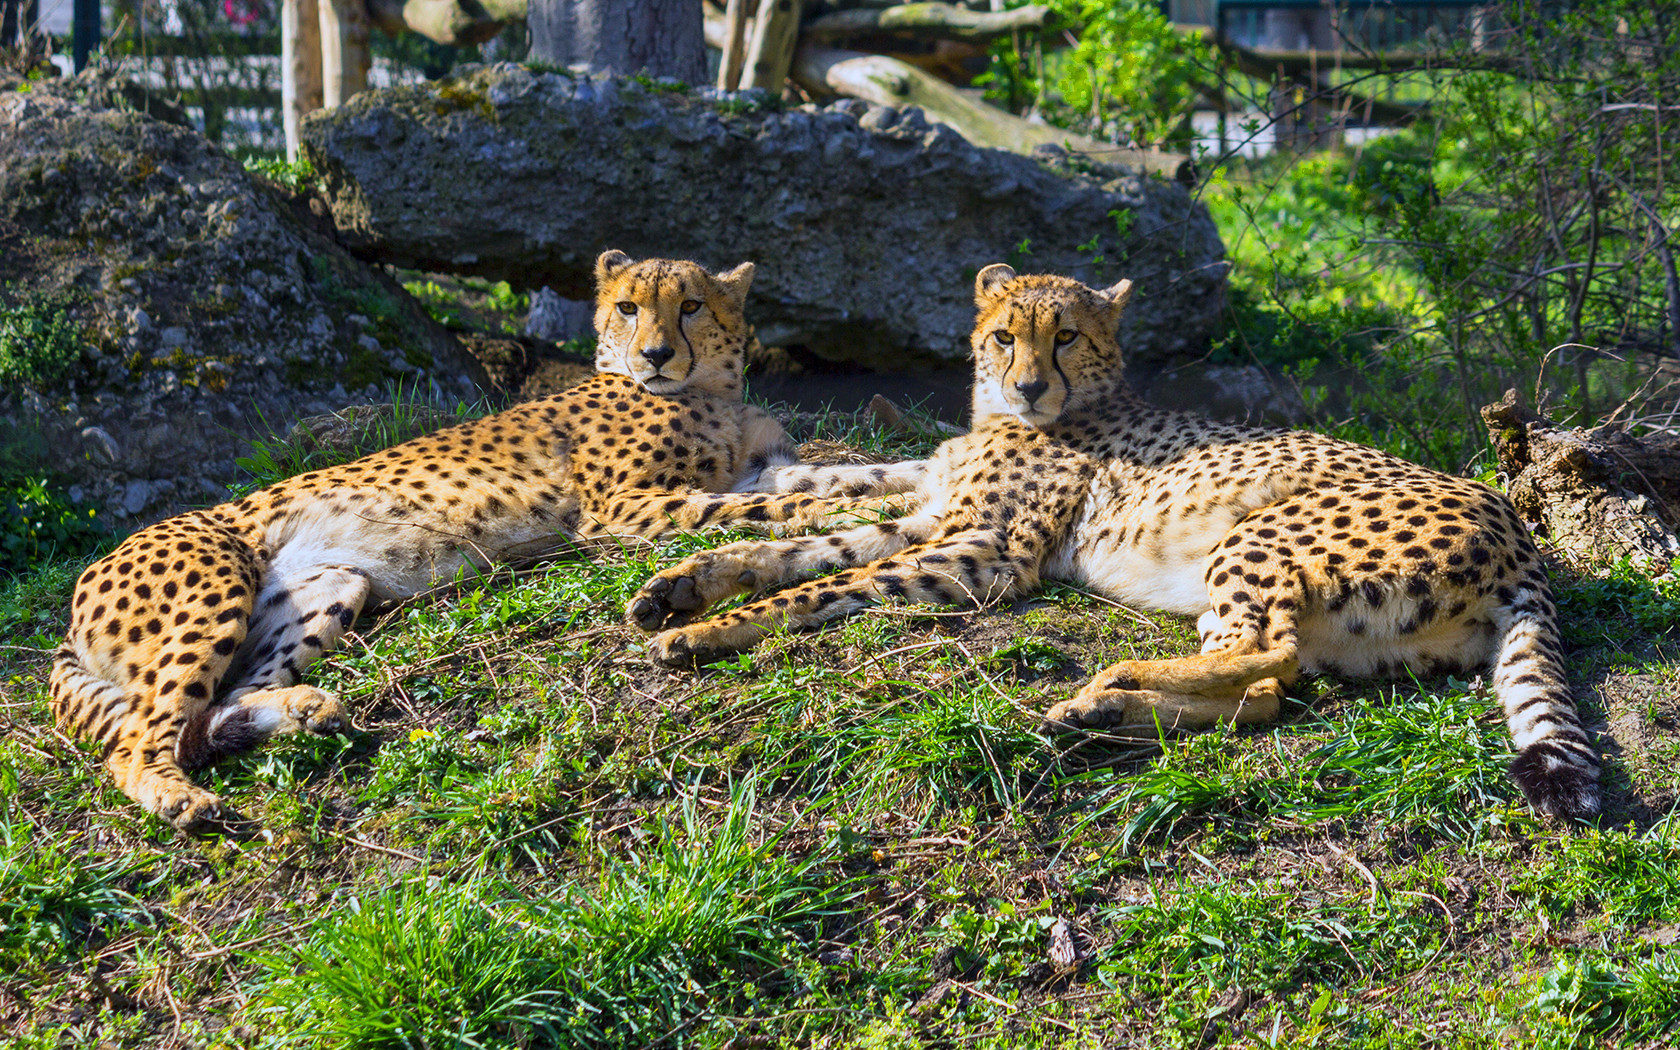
(345, 54)
(300, 67)
(659, 37)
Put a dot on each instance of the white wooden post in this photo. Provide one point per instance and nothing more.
(300, 67)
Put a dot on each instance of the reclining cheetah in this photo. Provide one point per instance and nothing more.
(1298, 551)
(249, 593)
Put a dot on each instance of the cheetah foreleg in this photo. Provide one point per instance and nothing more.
(840, 480)
(1192, 692)
(653, 514)
(679, 593)
(969, 568)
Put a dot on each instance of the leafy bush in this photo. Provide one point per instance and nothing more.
(1128, 77)
(472, 303)
(297, 176)
(39, 343)
(39, 523)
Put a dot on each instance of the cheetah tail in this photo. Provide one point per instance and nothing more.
(1556, 766)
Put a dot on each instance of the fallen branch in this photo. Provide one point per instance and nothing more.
(455, 22)
(890, 82)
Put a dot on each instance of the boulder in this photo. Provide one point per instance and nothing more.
(867, 222)
(194, 306)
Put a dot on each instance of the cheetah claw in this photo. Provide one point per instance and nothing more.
(210, 817)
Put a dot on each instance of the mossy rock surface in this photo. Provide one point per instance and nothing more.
(202, 305)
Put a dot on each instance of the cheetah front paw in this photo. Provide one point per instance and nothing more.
(705, 643)
(676, 595)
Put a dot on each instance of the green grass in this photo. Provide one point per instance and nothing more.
(472, 303)
(410, 415)
(679, 927)
(849, 839)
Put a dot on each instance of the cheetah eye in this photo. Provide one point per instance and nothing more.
(1003, 338)
(690, 305)
(1066, 336)
(628, 309)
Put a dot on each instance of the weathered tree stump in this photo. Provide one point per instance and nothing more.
(1596, 493)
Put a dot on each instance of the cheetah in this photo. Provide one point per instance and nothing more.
(1296, 550)
(187, 642)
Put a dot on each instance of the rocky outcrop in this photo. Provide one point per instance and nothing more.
(867, 223)
(194, 306)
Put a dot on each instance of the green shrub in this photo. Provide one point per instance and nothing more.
(39, 523)
(1128, 77)
(298, 176)
(39, 343)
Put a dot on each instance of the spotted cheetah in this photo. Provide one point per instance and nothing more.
(187, 642)
(1297, 551)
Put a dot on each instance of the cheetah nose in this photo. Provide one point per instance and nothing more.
(658, 355)
(1031, 391)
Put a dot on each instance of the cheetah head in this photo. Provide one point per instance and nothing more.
(670, 325)
(1042, 343)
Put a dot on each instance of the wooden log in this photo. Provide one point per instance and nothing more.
(1599, 493)
(775, 36)
(300, 67)
(453, 22)
(940, 21)
(889, 82)
(345, 57)
(736, 20)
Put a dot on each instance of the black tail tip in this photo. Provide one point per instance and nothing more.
(1559, 781)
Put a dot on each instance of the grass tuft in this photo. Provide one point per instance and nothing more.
(669, 933)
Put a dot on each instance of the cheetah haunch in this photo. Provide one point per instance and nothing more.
(187, 642)
(1298, 551)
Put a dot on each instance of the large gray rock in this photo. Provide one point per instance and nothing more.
(867, 223)
(205, 307)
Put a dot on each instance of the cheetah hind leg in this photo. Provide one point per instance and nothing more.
(298, 616)
(1224, 684)
(1143, 714)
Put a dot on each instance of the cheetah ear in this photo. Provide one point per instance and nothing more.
(737, 281)
(1118, 296)
(608, 265)
(988, 283)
